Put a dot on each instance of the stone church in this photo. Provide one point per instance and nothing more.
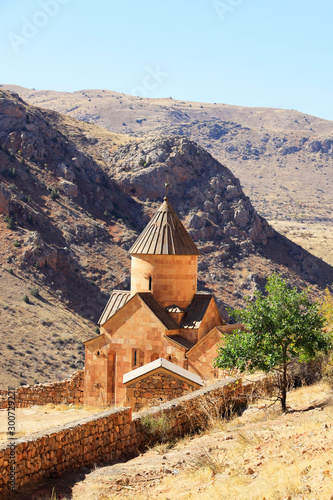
(163, 317)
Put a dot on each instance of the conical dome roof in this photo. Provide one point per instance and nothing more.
(164, 235)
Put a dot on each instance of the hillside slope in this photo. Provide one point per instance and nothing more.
(73, 198)
(284, 158)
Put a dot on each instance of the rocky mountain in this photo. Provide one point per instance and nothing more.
(283, 158)
(73, 198)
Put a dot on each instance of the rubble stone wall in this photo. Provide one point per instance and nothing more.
(113, 434)
(157, 387)
(68, 391)
(106, 436)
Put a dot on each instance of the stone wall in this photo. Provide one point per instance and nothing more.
(157, 387)
(106, 436)
(112, 434)
(68, 391)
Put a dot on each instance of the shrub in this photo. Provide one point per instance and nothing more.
(11, 173)
(26, 299)
(12, 187)
(34, 292)
(10, 222)
(156, 426)
(17, 244)
(54, 194)
(10, 271)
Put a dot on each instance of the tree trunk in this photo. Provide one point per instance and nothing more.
(284, 388)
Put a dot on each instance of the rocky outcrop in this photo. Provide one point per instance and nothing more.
(203, 190)
(78, 204)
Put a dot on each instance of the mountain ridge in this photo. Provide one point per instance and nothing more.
(74, 197)
(284, 158)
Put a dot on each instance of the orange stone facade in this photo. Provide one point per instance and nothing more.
(172, 279)
(162, 316)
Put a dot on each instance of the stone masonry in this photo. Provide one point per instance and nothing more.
(68, 391)
(108, 436)
(157, 387)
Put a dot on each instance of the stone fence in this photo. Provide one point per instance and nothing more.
(68, 391)
(112, 434)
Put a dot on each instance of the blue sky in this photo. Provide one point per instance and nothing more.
(244, 52)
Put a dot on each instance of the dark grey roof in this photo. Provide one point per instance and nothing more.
(158, 310)
(196, 311)
(181, 341)
(117, 300)
(164, 235)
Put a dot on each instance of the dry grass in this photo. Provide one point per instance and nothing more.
(262, 454)
(42, 340)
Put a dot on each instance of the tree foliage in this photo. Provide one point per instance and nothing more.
(281, 326)
(327, 312)
(327, 308)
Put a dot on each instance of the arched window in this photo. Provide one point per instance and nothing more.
(150, 283)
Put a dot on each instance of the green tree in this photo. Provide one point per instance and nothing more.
(327, 312)
(327, 308)
(282, 327)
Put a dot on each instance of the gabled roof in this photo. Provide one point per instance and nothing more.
(119, 299)
(116, 301)
(196, 311)
(100, 338)
(182, 341)
(221, 330)
(158, 310)
(164, 235)
(161, 363)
